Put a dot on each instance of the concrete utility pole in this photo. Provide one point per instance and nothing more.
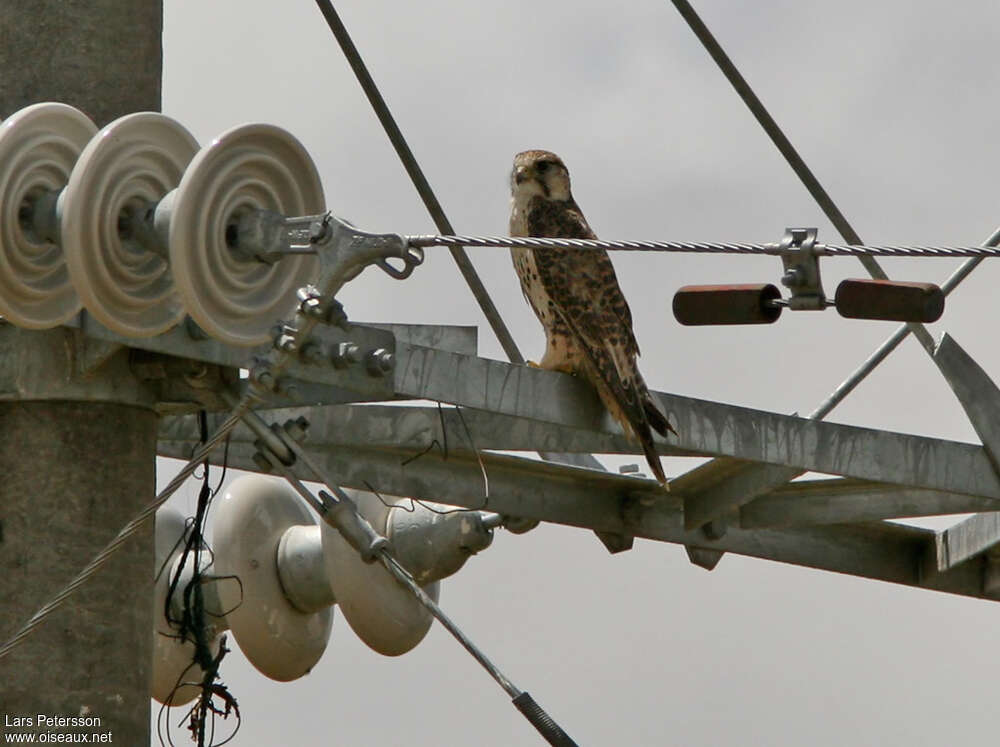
(77, 432)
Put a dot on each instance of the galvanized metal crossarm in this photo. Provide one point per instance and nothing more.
(615, 504)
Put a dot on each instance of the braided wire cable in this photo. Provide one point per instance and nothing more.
(850, 250)
(546, 726)
(123, 535)
(703, 247)
(420, 183)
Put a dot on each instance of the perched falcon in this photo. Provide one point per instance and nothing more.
(576, 297)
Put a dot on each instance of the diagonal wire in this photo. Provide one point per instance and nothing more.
(826, 204)
(335, 510)
(821, 196)
(784, 145)
(423, 188)
(766, 121)
(848, 385)
(123, 535)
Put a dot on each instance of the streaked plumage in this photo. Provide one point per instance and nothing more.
(575, 294)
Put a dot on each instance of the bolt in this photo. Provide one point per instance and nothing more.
(312, 352)
(196, 370)
(289, 388)
(317, 231)
(311, 303)
(312, 307)
(792, 277)
(715, 529)
(345, 354)
(380, 362)
(297, 428)
(262, 462)
(286, 343)
(263, 377)
(198, 375)
(336, 315)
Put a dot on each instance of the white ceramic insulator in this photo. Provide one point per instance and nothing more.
(249, 521)
(130, 166)
(302, 569)
(38, 147)
(383, 613)
(235, 298)
(432, 540)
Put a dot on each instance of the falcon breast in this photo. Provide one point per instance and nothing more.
(576, 296)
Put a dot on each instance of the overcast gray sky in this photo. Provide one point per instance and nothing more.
(891, 103)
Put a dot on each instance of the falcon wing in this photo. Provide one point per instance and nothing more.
(584, 289)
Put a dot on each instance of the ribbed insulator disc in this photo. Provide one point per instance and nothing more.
(124, 172)
(381, 611)
(282, 642)
(38, 147)
(252, 167)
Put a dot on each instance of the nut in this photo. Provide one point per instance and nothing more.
(345, 354)
(380, 362)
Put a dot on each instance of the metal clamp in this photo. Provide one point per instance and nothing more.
(345, 251)
(801, 262)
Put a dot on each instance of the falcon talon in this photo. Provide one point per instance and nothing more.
(313, 352)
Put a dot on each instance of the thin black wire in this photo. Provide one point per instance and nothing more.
(479, 457)
(420, 182)
(427, 450)
(414, 502)
(424, 452)
(191, 625)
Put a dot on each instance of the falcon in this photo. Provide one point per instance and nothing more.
(575, 295)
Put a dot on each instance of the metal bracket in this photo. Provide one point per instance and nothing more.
(274, 443)
(801, 262)
(615, 542)
(267, 236)
(344, 252)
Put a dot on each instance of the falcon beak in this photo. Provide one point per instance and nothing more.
(521, 174)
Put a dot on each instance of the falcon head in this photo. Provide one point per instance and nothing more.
(539, 173)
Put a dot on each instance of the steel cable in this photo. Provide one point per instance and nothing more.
(437, 213)
(123, 535)
(705, 247)
(420, 182)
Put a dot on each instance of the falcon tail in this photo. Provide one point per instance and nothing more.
(656, 419)
(634, 409)
(652, 419)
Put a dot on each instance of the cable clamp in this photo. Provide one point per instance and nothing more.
(798, 250)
